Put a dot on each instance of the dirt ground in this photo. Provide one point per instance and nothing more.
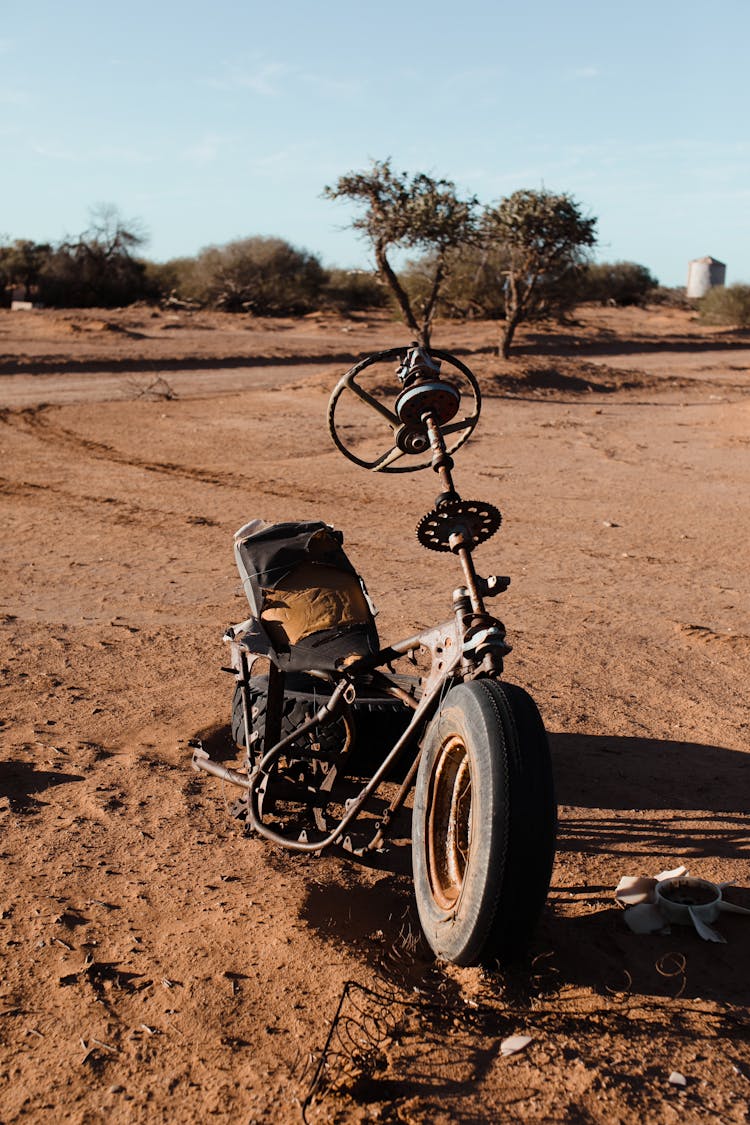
(157, 966)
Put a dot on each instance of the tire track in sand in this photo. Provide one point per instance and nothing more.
(33, 421)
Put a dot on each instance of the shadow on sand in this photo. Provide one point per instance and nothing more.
(613, 772)
(693, 787)
(626, 779)
(19, 780)
(554, 343)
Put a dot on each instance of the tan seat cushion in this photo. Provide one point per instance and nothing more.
(311, 599)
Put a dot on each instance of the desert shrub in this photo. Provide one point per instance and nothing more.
(350, 290)
(167, 278)
(98, 268)
(547, 239)
(727, 305)
(21, 263)
(617, 283)
(670, 297)
(265, 276)
(74, 277)
(557, 294)
(473, 287)
(477, 286)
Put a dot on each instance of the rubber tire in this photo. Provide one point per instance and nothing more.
(379, 723)
(513, 823)
(238, 718)
(295, 711)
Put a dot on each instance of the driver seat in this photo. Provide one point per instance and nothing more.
(306, 595)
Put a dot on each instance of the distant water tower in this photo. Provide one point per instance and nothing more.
(704, 274)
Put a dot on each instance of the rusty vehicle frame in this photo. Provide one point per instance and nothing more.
(429, 422)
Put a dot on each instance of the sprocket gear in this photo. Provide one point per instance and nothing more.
(479, 519)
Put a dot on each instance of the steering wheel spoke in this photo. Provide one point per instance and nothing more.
(467, 423)
(393, 454)
(374, 404)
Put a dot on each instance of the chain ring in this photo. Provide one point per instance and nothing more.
(480, 519)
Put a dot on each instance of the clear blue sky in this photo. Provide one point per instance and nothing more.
(216, 120)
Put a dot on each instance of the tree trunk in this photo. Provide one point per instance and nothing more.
(386, 272)
(429, 309)
(516, 304)
(509, 327)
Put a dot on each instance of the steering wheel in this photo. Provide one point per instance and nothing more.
(410, 439)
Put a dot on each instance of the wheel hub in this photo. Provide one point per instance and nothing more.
(449, 827)
(437, 397)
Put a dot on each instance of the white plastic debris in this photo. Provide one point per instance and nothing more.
(645, 918)
(651, 904)
(677, 1079)
(634, 889)
(514, 1044)
(675, 873)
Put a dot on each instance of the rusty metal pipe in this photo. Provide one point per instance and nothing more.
(377, 840)
(470, 574)
(382, 681)
(326, 711)
(442, 462)
(239, 779)
(358, 802)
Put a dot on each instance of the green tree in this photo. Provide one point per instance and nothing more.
(417, 212)
(546, 238)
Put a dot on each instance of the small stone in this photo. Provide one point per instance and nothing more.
(677, 1079)
(513, 1044)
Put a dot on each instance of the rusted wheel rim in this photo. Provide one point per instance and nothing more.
(449, 823)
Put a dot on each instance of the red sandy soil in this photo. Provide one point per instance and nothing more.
(157, 966)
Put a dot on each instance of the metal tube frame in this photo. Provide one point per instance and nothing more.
(454, 657)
